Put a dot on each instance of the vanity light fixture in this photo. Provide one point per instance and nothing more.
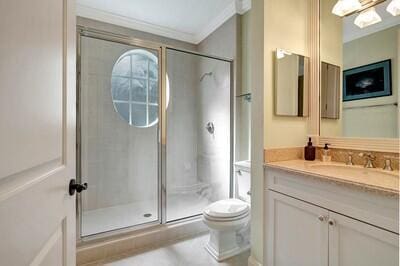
(344, 7)
(367, 18)
(394, 7)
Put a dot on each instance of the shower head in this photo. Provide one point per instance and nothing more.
(204, 75)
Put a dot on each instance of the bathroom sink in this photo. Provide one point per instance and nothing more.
(352, 171)
(369, 178)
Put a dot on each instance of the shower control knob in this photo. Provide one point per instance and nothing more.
(73, 186)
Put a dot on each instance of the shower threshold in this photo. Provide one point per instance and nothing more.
(180, 205)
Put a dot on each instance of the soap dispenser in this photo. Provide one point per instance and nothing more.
(309, 151)
(326, 154)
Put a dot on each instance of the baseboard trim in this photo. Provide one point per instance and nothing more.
(253, 262)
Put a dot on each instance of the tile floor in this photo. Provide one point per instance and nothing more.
(106, 219)
(188, 252)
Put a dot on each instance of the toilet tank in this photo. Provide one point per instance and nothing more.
(242, 180)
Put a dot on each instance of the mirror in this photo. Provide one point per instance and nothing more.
(359, 72)
(330, 91)
(291, 84)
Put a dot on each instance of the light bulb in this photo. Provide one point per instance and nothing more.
(394, 7)
(344, 7)
(367, 18)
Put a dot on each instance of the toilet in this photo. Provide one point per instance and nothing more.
(229, 220)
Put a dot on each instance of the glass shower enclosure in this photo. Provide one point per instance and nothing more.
(154, 132)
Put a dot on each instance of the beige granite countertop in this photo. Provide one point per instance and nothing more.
(370, 179)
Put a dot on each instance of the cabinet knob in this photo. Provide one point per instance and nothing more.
(331, 222)
(322, 218)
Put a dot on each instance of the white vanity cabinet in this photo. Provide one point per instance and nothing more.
(313, 222)
(296, 235)
(352, 242)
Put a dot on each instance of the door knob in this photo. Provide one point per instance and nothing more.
(73, 186)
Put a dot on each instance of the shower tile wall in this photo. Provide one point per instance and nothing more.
(118, 161)
(214, 149)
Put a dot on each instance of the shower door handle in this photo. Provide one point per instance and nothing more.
(73, 186)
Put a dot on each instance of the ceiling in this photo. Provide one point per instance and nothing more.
(352, 32)
(185, 20)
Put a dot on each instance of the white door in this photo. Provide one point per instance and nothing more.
(352, 242)
(37, 132)
(298, 232)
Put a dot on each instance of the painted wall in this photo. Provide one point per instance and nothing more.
(257, 85)
(271, 29)
(291, 35)
(381, 121)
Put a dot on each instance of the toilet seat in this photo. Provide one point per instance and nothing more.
(226, 210)
(226, 219)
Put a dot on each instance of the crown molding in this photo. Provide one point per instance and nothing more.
(215, 23)
(242, 6)
(112, 18)
(236, 7)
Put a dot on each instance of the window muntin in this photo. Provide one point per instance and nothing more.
(134, 87)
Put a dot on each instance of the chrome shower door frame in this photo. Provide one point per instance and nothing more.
(232, 126)
(106, 36)
(162, 125)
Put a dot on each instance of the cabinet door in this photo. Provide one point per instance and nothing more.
(353, 243)
(298, 232)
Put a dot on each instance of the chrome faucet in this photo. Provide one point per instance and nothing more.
(369, 158)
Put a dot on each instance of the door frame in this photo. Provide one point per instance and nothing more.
(83, 31)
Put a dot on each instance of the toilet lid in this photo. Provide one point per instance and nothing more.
(227, 208)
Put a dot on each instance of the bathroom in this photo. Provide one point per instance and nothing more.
(183, 132)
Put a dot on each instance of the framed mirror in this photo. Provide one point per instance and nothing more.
(291, 84)
(359, 75)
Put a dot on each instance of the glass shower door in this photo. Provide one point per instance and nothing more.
(118, 135)
(199, 138)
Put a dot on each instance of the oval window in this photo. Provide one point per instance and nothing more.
(134, 87)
